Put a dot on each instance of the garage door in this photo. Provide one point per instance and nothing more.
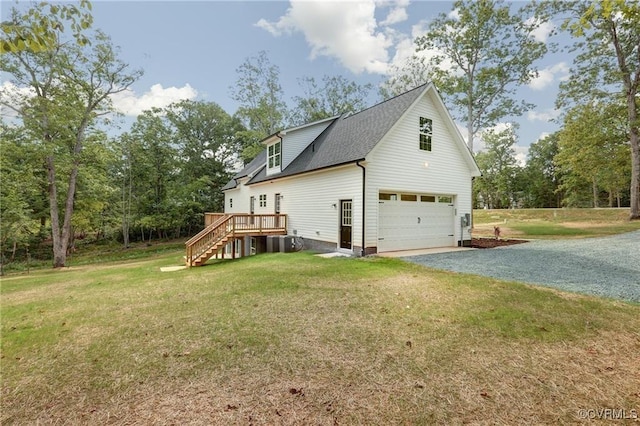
(405, 224)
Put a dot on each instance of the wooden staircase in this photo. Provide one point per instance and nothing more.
(223, 229)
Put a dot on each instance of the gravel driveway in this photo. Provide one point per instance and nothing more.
(605, 266)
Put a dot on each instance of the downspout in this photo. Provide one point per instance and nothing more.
(364, 199)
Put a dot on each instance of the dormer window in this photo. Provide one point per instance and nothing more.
(274, 156)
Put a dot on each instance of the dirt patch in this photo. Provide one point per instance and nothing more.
(484, 243)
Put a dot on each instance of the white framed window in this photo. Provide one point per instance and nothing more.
(274, 155)
(263, 200)
(347, 213)
(230, 203)
(426, 133)
(276, 204)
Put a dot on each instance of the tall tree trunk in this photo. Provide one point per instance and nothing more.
(59, 253)
(125, 213)
(634, 139)
(61, 235)
(68, 208)
(595, 193)
(611, 198)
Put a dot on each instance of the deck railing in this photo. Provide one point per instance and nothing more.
(229, 226)
(209, 218)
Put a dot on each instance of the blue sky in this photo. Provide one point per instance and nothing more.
(191, 50)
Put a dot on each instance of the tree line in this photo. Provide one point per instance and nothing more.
(65, 178)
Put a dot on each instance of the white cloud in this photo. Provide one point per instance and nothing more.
(129, 103)
(542, 31)
(522, 152)
(397, 14)
(406, 46)
(347, 31)
(546, 115)
(454, 14)
(13, 96)
(549, 75)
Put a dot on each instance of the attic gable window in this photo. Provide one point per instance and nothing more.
(274, 156)
(426, 132)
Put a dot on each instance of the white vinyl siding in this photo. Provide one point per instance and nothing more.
(397, 165)
(296, 141)
(311, 202)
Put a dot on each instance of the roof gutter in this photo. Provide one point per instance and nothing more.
(364, 176)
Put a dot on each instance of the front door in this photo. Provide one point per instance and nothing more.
(346, 223)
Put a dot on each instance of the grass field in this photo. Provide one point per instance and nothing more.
(553, 223)
(297, 339)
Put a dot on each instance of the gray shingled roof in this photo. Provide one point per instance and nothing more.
(346, 140)
(259, 161)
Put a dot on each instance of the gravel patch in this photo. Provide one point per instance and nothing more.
(604, 266)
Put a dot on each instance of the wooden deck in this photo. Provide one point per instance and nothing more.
(222, 229)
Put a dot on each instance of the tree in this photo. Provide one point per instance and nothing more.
(174, 162)
(483, 52)
(122, 175)
(541, 174)
(607, 67)
(206, 137)
(38, 33)
(20, 192)
(497, 186)
(336, 96)
(70, 85)
(592, 153)
(154, 167)
(261, 110)
(414, 72)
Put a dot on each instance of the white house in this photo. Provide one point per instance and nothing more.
(395, 176)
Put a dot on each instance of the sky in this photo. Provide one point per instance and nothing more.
(191, 50)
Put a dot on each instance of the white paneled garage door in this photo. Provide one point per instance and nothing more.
(413, 221)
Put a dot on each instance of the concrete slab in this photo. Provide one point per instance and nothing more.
(333, 254)
(407, 253)
(172, 268)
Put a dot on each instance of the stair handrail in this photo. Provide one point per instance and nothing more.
(228, 225)
(207, 229)
(205, 234)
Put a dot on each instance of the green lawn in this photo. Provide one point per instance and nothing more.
(553, 223)
(297, 339)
